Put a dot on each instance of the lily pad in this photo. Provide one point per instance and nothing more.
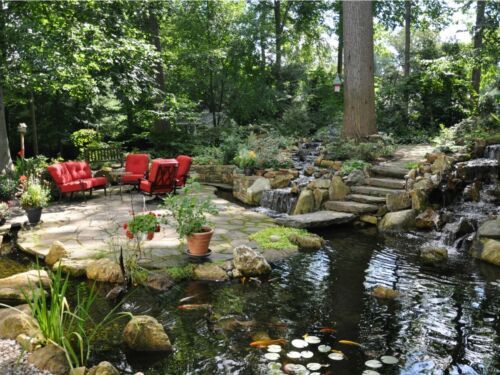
(274, 366)
(298, 343)
(370, 372)
(293, 355)
(389, 360)
(293, 368)
(313, 366)
(336, 356)
(324, 348)
(373, 363)
(312, 339)
(272, 356)
(274, 348)
(306, 354)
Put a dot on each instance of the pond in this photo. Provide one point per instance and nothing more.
(446, 320)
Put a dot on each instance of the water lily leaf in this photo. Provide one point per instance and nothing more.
(336, 356)
(272, 356)
(389, 360)
(274, 366)
(306, 354)
(313, 366)
(298, 343)
(324, 348)
(373, 363)
(293, 355)
(274, 348)
(312, 339)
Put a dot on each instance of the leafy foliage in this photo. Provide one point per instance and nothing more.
(340, 149)
(181, 273)
(7, 188)
(352, 165)
(143, 223)
(35, 196)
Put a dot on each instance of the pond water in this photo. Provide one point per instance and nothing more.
(446, 320)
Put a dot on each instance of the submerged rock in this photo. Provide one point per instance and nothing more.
(105, 270)
(103, 368)
(397, 221)
(248, 262)
(144, 333)
(159, 281)
(383, 292)
(308, 241)
(50, 358)
(57, 251)
(433, 254)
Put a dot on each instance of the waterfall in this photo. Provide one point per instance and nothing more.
(492, 152)
(280, 200)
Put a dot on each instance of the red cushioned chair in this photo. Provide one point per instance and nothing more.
(136, 166)
(183, 170)
(74, 176)
(161, 179)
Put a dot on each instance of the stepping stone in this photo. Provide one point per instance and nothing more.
(352, 207)
(374, 190)
(366, 199)
(389, 171)
(316, 219)
(391, 183)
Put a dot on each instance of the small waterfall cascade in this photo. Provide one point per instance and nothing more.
(279, 200)
(492, 152)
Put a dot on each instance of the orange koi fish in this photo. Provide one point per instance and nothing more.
(348, 342)
(197, 306)
(327, 330)
(266, 343)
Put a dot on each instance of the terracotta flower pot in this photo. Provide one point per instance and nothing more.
(198, 243)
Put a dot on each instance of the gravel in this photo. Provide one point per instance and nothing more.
(13, 361)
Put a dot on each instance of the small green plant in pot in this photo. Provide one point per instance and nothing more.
(246, 160)
(33, 200)
(142, 226)
(189, 211)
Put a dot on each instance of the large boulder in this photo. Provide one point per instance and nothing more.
(320, 196)
(441, 164)
(433, 254)
(249, 262)
(398, 201)
(320, 183)
(144, 333)
(105, 270)
(429, 219)
(19, 286)
(491, 252)
(254, 192)
(210, 271)
(73, 267)
(490, 229)
(305, 203)
(103, 368)
(356, 177)
(281, 181)
(338, 189)
(397, 221)
(419, 200)
(50, 358)
(17, 321)
(56, 251)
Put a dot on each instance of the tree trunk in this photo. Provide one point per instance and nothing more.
(478, 43)
(34, 129)
(359, 95)
(341, 41)
(5, 159)
(278, 29)
(160, 125)
(407, 37)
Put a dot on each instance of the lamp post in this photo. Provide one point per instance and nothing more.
(22, 128)
(337, 83)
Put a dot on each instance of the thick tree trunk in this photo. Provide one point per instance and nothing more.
(359, 96)
(341, 41)
(407, 37)
(34, 129)
(5, 159)
(478, 43)
(278, 29)
(160, 125)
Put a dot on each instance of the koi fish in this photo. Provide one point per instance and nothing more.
(327, 330)
(266, 343)
(348, 342)
(185, 299)
(197, 306)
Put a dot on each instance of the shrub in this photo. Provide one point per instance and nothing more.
(32, 168)
(343, 149)
(7, 188)
(209, 155)
(352, 165)
(270, 149)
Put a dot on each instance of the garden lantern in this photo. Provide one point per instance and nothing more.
(22, 128)
(337, 83)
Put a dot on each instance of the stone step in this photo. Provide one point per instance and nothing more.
(374, 190)
(366, 199)
(390, 183)
(351, 207)
(316, 219)
(389, 171)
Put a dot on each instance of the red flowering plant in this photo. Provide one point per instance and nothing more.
(142, 224)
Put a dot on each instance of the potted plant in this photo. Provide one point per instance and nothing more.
(143, 224)
(190, 214)
(33, 200)
(246, 160)
(4, 212)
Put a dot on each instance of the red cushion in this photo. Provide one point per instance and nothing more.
(137, 164)
(76, 186)
(131, 178)
(183, 170)
(60, 173)
(98, 181)
(161, 178)
(78, 169)
(145, 185)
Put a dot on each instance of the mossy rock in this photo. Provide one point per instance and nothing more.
(283, 238)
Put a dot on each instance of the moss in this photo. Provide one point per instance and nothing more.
(263, 237)
(412, 165)
(181, 273)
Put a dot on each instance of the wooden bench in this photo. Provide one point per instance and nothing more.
(103, 155)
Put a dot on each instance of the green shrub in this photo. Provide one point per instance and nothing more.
(210, 155)
(270, 149)
(7, 188)
(351, 165)
(343, 149)
(35, 196)
(32, 168)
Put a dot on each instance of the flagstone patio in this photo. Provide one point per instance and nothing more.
(94, 229)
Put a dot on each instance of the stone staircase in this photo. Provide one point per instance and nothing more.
(367, 201)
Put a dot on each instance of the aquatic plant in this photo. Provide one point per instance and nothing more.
(181, 273)
(277, 237)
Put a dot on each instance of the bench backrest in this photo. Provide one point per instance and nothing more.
(99, 155)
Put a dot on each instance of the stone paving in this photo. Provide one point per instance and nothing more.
(94, 229)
